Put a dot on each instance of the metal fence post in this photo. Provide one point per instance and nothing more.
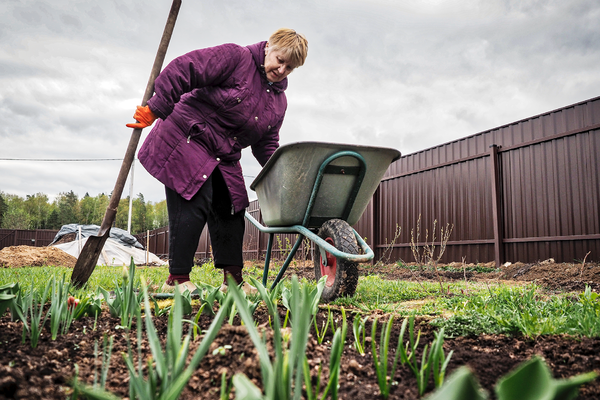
(497, 206)
(258, 239)
(374, 223)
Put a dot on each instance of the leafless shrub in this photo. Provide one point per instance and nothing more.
(307, 253)
(283, 249)
(389, 247)
(464, 265)
(425, 253)
(248, 247)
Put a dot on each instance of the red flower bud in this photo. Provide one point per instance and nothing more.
(72, 302)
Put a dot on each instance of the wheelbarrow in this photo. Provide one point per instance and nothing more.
(319, 190)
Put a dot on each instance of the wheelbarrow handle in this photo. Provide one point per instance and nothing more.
(361, 258)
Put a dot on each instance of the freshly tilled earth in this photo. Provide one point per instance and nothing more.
(45, 372)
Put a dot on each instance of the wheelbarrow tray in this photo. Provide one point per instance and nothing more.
(285, 183)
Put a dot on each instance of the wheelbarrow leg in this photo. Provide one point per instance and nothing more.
(287, 262)
(267, 259)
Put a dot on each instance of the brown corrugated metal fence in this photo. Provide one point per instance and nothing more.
(22, 237)
(525, 192)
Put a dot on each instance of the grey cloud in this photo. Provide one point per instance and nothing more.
(20, 108)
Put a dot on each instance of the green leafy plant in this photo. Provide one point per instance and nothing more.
(195, 322)
(90, 305)
(358, 328)
(89, 392)
(408, 355)
(433, 360)
(33, 304)
(380, 360)
(313, 299)
(284, 373)
(438, 361)
(520, 311)
(107, 345)
(252, 306)
(225, 387)
(312, 392)
(335, 359)
(320, 334)
(170, 363)
(208, 295)
(585, 319)
(186, 302)
(127, 298)
(61, 315)
(158, 311)
(11, 299)
(222, 350)
(531, 380)
(459, 386)
(164, 375)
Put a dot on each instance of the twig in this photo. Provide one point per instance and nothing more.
(583, 264)
(416, 278)
(465, 274)
(387, 252)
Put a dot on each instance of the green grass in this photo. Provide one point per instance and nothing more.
(476, 268)
(526, 311)
(463, 308)
(405, 297)
(104, 276)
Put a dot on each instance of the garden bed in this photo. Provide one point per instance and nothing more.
(44, 372)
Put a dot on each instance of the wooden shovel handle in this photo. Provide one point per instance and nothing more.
(111, 210)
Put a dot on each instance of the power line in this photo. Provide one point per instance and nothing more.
(78, 160)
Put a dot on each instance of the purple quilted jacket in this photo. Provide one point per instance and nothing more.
(212, 103)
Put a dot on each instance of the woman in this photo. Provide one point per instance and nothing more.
(210, 104)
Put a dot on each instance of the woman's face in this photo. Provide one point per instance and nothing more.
(277, 67)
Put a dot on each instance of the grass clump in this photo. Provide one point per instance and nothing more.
(523, 311)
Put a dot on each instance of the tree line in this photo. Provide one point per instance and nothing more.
(38, 212)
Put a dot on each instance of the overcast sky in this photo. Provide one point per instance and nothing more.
(405, 74)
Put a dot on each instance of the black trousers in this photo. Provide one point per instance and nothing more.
(187, 218)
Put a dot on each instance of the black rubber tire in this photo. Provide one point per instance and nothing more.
(338, 233)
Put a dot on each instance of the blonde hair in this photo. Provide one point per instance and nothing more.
(292, 44)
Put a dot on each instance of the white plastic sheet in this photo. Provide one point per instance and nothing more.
(113, 253)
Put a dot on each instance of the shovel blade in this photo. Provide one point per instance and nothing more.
(87, 260)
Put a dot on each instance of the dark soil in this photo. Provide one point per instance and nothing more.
(44, 372)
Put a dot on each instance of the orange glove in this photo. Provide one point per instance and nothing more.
(144, 117)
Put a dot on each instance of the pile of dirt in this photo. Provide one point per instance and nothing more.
(563, 276)
(69, 237)
(28, 256)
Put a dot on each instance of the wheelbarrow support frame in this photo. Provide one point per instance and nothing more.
(302, 229)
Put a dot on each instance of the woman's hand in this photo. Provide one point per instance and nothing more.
(144, 117)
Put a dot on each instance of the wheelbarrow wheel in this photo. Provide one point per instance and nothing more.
(342, 274)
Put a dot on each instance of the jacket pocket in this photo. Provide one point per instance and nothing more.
(196, 131)
(202, 134)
